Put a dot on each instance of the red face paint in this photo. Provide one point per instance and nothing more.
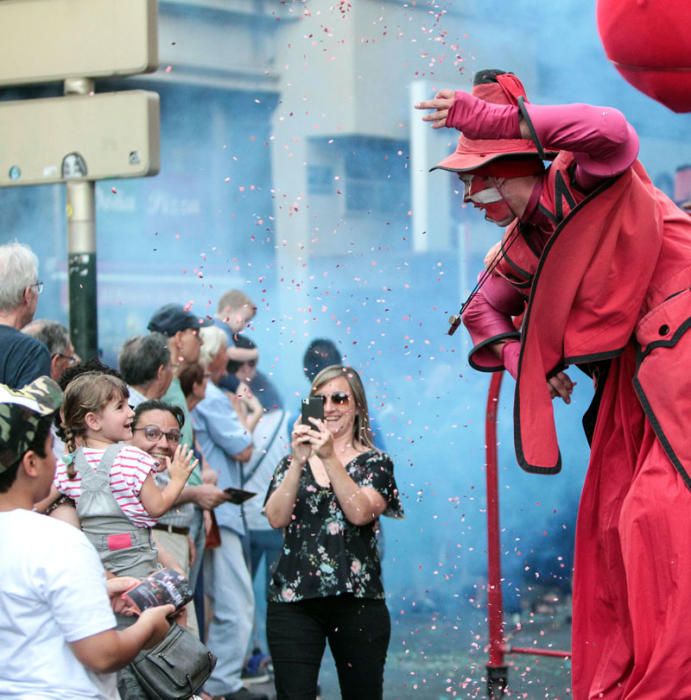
(483, 195)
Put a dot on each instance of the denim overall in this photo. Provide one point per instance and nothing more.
(124, 548)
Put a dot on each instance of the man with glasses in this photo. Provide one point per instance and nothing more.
(57, 339)
(156, 431)
(22, 358)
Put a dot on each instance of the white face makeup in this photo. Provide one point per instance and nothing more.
(490, 195)
(483, 194)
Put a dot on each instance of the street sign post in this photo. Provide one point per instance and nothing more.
(82, 137)
(93, 137)
(44, 41)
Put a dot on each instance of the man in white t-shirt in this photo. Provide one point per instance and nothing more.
(57, 629)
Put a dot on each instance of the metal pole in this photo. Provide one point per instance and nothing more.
(497, 671)
(81, 252)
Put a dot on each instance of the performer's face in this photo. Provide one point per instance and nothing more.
(502, 199)
(484, 195)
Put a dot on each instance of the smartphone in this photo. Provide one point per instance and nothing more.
(312, 407)
(238, 496)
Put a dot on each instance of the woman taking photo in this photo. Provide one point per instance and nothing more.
(328, 495)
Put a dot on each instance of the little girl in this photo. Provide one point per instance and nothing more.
(111, 483)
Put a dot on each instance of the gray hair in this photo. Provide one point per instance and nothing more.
(213, 340)
(18, 270)
(51, 333)
(141, 357)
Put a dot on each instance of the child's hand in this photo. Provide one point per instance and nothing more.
(182, 464)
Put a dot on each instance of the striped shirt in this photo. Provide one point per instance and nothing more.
(127, 475)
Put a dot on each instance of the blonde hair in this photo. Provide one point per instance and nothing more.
(236, 300)
(362, 432)
(87, 393)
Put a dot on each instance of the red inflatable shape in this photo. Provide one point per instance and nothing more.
(649, 42)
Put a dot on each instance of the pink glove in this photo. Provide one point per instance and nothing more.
(503, 296)
(488, 316)
(484, 321)
(509, 355)
(478, 119)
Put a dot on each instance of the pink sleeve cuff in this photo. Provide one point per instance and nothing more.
(488, 324)
(602, 141)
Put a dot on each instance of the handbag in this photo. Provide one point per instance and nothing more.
(176, 668)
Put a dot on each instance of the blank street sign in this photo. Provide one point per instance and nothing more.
(49, 40)
(91, 137)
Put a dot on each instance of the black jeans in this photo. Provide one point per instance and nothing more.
(358, 631)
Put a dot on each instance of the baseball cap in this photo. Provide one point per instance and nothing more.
(20, 413)
(173, 318)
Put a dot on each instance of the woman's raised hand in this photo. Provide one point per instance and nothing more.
(182, 464)
(300, 445)
(321, 439)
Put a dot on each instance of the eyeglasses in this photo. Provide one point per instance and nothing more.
(38, 286)
(154, 433)
(72, 360)
(338, 398)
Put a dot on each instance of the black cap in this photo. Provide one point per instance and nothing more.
(173, 318)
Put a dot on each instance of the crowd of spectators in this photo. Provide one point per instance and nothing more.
(160, 446)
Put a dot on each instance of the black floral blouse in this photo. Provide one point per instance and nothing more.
(323, 553)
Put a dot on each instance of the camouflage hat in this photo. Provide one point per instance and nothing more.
(20, 413)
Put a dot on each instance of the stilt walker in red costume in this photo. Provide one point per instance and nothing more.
(598, 262)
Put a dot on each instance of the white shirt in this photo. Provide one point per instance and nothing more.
(52, 592)
(135, 397)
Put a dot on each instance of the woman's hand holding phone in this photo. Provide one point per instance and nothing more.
(301, 449)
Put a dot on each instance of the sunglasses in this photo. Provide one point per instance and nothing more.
(250, 363)
(338, 398)
(154, 433)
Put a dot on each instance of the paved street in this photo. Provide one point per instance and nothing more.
(431, 658)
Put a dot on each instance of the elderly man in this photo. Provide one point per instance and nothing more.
(146, 367)
(22, 358)
(57, 339)
(227, 444)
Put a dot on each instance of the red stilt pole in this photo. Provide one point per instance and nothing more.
(497, 672)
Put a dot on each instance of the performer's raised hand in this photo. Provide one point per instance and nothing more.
(440, 104)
